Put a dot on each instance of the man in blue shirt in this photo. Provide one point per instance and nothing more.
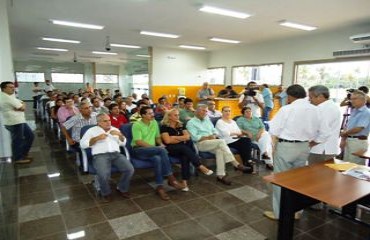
(269, 103)
(205, 136)
(358, 128)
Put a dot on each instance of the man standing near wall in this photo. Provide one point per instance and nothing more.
(15, 121)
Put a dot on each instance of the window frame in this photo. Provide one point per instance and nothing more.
(20, 81)
(224, 77)
(101, 74)
(257, 65)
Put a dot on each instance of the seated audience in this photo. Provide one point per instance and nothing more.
(137, 116)
(254, 128)
(105, 141)
(160, 109)
(235, 138)
(97, 105)
(67, 111)
(228, 92)
(147, 145)
(129, 104)
(181, 103)
(178, 144)
(54, 110)
(187, 112)
(75, 123)
(204, 134)
(117, 119)
(145, 96)
(212, 111)
(123, 110)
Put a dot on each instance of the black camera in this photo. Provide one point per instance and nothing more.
(251, 92)
(349, 92)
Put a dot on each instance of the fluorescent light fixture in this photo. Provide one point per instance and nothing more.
(53, 175)
(224, 40)
(224, 12)
(143, 55)
(297, 26)
(104, 53)
(59, 40)
(192, 47)
(53, 49)
(78, 25)
(124, 45)
(157, 34)
(76, 235)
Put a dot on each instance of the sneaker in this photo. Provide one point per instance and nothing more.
(270, 215)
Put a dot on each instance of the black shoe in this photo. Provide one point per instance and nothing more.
(269, 166)
(223, 180)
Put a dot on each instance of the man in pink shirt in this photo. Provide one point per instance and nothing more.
(67, 110)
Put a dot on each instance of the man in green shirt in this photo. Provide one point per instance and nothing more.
(188, 111)
(147, 145)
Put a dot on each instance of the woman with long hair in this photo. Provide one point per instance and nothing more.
(178, 144)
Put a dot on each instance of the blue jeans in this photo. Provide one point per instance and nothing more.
(266, 114)
(103, 164)
(159, 157)
(22, 139)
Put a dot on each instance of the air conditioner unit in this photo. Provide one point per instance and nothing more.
(361, 38)
(352, 53)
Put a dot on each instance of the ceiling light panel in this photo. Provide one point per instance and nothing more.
(60, 40)
(142, 55)
(192, 47)
(53, 49)
(224, 12)
(78, 25)
(297, 26)
(223, 40)
(157, 34)
(104, 53)
(124, 45)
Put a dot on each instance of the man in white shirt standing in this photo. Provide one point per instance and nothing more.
(326, 144)
(104, 141)
(48, 86)
(250, 97)
(292, 128)
(15, 121)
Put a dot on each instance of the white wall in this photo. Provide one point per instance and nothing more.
(178, 67)
(6, 63)
(311, 46)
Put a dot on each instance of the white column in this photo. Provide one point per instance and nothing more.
(6, 74)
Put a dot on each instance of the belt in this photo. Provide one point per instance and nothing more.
(291, 141)
(359, 137)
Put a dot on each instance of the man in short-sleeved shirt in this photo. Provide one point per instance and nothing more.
(15, 121)
(252, 98)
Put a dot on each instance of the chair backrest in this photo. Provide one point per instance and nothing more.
(126, 130)
(236, 117)
(214, 120)
(84, 129)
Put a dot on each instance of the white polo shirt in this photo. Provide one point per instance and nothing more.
(110, 144)
(8, 104)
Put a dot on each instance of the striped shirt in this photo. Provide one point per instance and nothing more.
(77, 122)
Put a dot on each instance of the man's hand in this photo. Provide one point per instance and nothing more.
(312, 144)
(71, 141)
(101, 137)
(115, 132)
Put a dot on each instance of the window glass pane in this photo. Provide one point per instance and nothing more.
(269, 74)
(216, 76)
(67, 78)
(337, 76)
(30, 77)
(105, 78)
(140, 83)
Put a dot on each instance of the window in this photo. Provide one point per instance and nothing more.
(106, 78)
(337, 76)
(67, 78)
(140, 83)
(216, 76)
(270, 74)
(30, 77)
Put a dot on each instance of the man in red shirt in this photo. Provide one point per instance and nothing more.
(117, 119)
